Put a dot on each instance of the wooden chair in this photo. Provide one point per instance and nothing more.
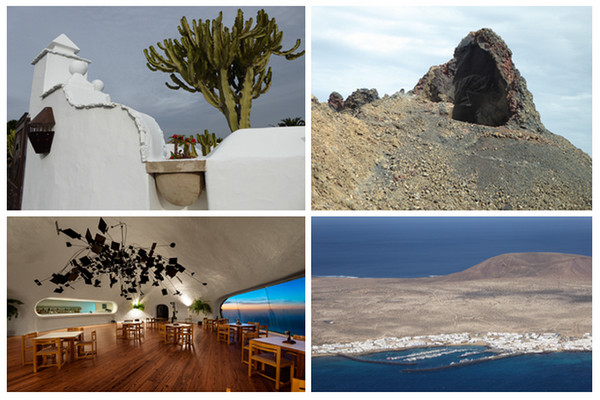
(215, 324)
(263, 330)
(80, 347)
(162, 333)
(259, 327)
(140, 327)
(298, 385)
(263, 354)
(246, 336)
(77, 329)
(225, 334)
(134, 331)
(170, 334)
(150, 323)
(50, 351)
(119, 330)
(186, 336)
(27, 347)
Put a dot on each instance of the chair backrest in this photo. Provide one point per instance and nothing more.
(267, 348)
(77, 329)
(298, 337)
(246, 336)
(264, 328)
(26, 339)
(27, 344)
(54, 342)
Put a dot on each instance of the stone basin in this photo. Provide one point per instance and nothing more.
(179, 181)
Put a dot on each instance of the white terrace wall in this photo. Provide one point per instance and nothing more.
(99, 151)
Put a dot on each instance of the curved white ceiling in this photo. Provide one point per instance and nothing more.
(230, 254)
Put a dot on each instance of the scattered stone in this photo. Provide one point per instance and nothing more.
(361, 97)
(336, 101)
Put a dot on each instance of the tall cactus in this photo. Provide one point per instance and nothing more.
(228, 66)
(208, 141)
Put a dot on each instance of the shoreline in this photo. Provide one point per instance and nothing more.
(503, 343)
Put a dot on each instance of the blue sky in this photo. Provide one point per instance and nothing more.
(390, 48)
(114, 38)
(423, 246)
(291, 292)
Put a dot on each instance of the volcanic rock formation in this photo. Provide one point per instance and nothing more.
(357, 99)
(466, 137)
(483, 83)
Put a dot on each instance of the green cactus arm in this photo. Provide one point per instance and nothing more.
(229, 66)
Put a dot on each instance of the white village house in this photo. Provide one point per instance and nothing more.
(105, 155)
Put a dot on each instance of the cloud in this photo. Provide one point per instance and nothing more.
(114, 38)
(389, 48)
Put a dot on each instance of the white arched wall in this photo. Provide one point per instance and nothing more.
(100, 150)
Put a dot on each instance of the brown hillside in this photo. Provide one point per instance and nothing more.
(547, 266)
(468, 137)
(523, 292)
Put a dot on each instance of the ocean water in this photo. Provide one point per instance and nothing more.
(411, 247)
(279, 320)
(550, 372)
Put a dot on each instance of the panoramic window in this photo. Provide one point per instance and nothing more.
(56, 307)
(279, 306)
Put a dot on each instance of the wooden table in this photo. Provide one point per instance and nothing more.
(66, 336)
(127, 324)
(176, 329)
(240, 329)
(297, 348)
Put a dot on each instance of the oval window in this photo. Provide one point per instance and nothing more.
(51, 307)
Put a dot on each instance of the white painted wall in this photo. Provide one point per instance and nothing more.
(98, 155)
(257, 169)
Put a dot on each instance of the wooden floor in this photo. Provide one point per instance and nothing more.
(147, 365)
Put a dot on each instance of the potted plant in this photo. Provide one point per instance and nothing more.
(138, 306)
(12, 310)
(200, 306)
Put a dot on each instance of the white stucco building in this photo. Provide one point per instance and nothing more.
(108, 156)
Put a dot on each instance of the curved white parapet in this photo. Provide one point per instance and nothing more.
(99, 149)
(257, 169)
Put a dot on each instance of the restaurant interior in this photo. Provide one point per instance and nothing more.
(135, 304)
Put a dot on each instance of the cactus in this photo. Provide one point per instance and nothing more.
(228, 66)
(188, 147)
(208, 141)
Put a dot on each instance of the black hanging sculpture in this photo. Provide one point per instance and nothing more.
(129, 266)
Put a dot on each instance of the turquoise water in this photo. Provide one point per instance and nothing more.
(568, 372)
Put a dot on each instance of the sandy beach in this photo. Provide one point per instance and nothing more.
(350, 309)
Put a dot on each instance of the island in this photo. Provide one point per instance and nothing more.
(515, 303)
